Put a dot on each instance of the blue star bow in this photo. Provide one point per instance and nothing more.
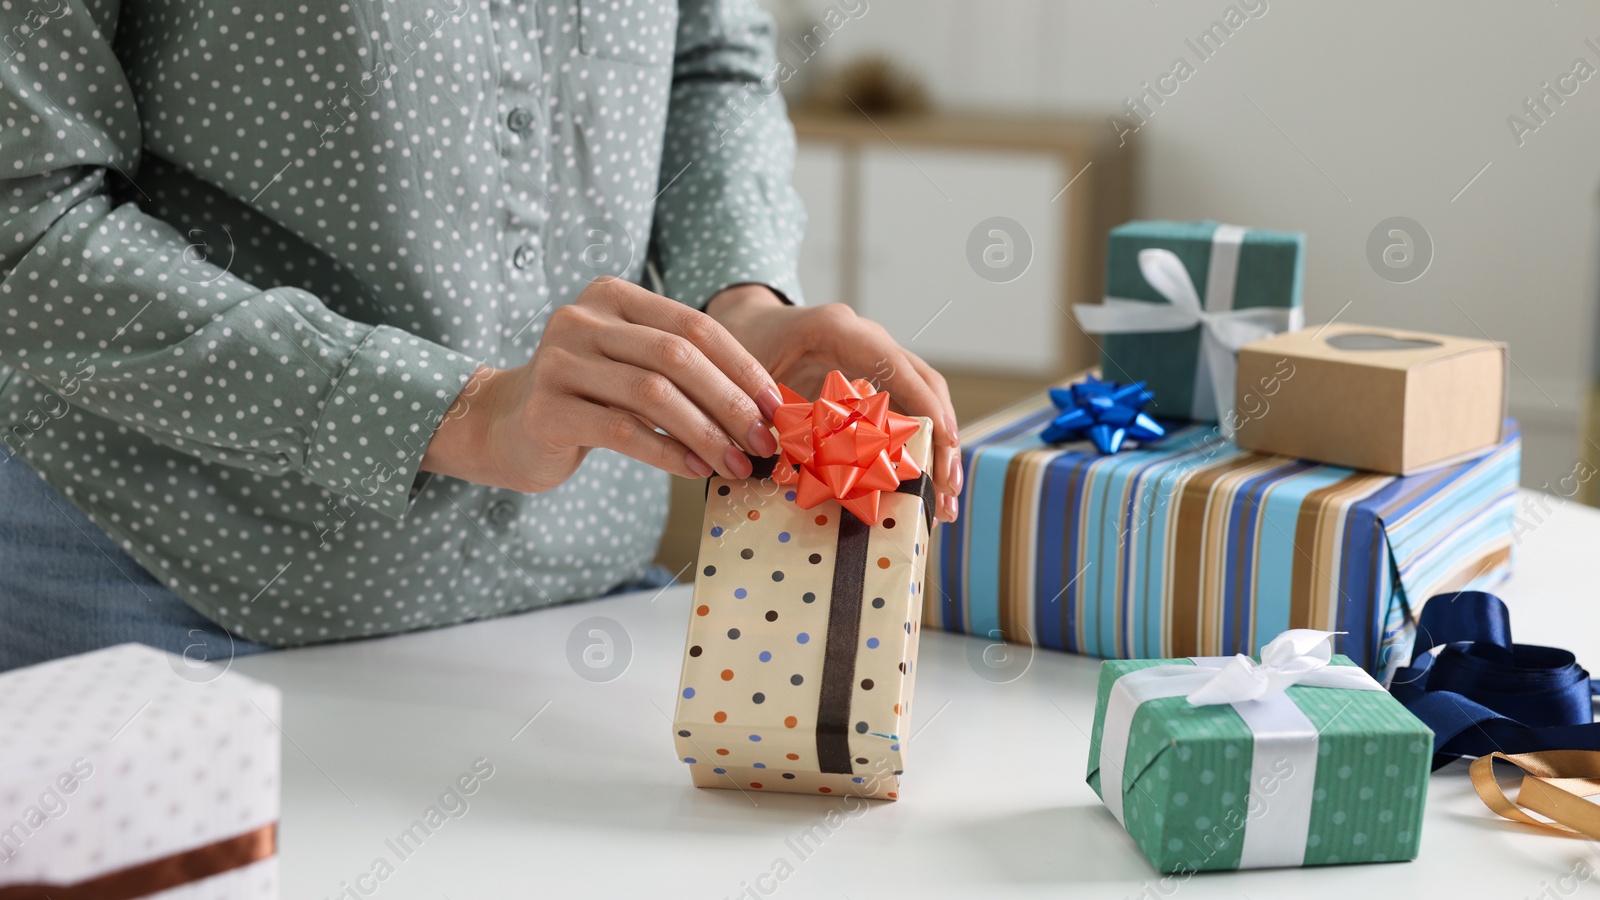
(1104, 412)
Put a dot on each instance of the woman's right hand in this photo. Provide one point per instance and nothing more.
(610, 369)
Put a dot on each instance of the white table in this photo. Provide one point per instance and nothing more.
(588, 799)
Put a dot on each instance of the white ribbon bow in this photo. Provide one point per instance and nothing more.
(1283, 739)
(1298, 656)
(1223, 329)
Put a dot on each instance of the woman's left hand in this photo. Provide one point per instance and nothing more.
(800, 345)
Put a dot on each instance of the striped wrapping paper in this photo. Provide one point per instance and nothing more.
(1197, 548)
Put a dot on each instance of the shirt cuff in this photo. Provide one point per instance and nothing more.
(733, 258)
(380, 417)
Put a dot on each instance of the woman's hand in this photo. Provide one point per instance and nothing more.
(799, 345)
(610, 369)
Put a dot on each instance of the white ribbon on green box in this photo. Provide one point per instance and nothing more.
(1278, 728)
(1223, 329)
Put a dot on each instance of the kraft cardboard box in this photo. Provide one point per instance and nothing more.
(1382, 399)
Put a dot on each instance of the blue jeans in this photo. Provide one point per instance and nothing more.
(66, 587)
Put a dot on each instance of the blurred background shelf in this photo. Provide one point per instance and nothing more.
(894, 203)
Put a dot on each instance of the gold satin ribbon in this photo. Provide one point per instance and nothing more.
(1554, 784)
(161, 874)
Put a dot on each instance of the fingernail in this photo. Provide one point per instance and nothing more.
(955, 509)
(738, 465)
(761, 439)
(698, 466)
(954, 431)
(767, 401)
(957, 476)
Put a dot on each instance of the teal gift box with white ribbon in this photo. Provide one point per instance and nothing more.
(1182, 298)
(1298, 759)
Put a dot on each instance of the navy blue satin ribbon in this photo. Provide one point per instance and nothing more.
(1483, 692)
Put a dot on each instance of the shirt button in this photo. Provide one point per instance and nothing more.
(502, 513)
(524, 256)
(520, 119)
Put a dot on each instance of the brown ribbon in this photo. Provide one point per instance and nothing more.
(162, 874)
(839, 655)
(844, 632)
(1555, 784)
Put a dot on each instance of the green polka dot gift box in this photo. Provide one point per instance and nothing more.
(1301, 759)
(802, 644)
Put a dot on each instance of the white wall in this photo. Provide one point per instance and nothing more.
(1398, 104)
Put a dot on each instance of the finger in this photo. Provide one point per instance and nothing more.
(920, 391)
(642, 307)
(707, 386)
(947, 454)
(914, 393)
(942, 388)
(599, 426)
(655, 398)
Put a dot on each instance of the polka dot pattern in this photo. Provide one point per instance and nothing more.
(792, 781)
(338, 216)
(777, 660)
(141, 743)
(1196, 793)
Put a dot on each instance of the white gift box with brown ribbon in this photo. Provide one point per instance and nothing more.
(129, 772)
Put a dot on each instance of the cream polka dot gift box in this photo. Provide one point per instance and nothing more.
(129, 772)
(802, 644)
(1298, 759)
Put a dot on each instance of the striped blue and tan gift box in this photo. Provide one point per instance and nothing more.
(1197, 548)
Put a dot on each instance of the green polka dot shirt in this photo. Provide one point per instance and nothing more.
(253, 251)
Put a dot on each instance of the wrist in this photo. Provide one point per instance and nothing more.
(459, 439)
(734, 306)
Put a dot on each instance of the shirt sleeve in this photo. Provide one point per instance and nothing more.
(727, 213)
(116, 311)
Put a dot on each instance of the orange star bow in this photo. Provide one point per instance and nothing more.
(846, 446)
